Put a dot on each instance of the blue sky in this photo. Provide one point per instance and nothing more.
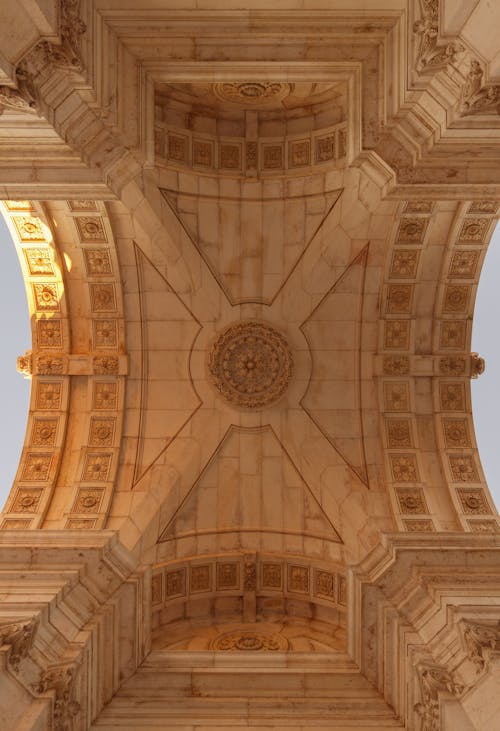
(16, 338)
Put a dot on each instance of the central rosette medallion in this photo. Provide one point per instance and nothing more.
(250, 364)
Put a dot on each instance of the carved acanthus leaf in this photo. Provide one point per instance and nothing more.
(479, 638)
(434, 680)
(431, 55)
(60, 680)
(19, 635)
(476, 98)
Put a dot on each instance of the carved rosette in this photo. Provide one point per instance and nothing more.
(249, 642)
(252, 93)
(250, 364)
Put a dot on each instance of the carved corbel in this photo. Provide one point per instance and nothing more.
(430, 54)
(60, 680)
(65, 55)
(480, 638)
(19, 635)
(477, 366)
(24, 364)
(433, 680)
(476, 98)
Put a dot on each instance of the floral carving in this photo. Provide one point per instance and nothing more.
(412, 501)
(397, 334)
(463, 264)
(404, 468)
(96, 468)
(456, 298)
(419, 526)
(49, 333)
(44, 432)
(81, 205)
(474, 230)
(88, 500)
(60, 680)
(101, 432)
(484, 526)
(399, 297)
(478, 639)
(46, 296)
(91, 228)
(396, 365)
(398, 432)
(105, 364)
(97, 262)
(404, 263)
(249, 642)
(29, 228)
(452, 396)
(19, 635)
(27, 500)
(49, 396)
(105, 333)
(456, 433)
(412, 230)
(452, 335)
(473, 500)
(483, 207)
(250, 364)
(252, 93)
(396, 396)
(419, 207)
(463, 468)
(37, 467)
(50, 365)
(433, 681)
(452, 366)
(39, 261)
(105, 395)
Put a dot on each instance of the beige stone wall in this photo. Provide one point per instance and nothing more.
(250, 493)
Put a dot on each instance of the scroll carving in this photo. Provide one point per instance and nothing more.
(19, 636)
(434, 680)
